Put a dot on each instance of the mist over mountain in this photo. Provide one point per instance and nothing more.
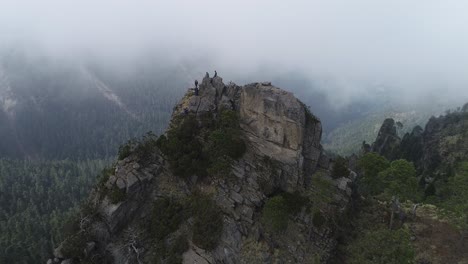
(88, 88)
(58, 107)
(349, 51)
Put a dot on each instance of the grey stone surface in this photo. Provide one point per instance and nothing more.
(120, 183)
(283, 152)
(236, 197)
(58, 252)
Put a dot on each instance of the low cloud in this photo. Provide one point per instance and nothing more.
(350, 49)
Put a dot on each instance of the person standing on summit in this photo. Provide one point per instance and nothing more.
(216, 74)
(196, 87)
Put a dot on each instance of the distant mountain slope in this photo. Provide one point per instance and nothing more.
(58, 110)
(348, 137)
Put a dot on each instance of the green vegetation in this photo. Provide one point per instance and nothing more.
(318, 219)
(73, 245)
(368, 239)
(116, 195)
(397, 178)
(36, 199)
(412, 145)
(308, 114)
(382, 246)
(383, 179)
(452, 197)
(171, 253)
(225, 143)
(340, 168)
(321, 191)
(371, 164)
(278, 209)
(275, 214)
(295, 202)
(125, 150)
(183, 148)
(143, 149)
(439, 178)
(400, 180)
(208, 221)
(371, 240)
(206, 149)
(177, 248)
(321, 196)
(103, 177)
(167, 215)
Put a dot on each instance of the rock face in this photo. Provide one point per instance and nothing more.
(445, 140)
(412, 145)
(442, 141)
(387, 142)
(283, 155)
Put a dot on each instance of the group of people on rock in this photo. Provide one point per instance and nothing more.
(206, 76)
(197, 90)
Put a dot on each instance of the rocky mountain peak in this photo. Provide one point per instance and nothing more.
(387, 142)
(232, 154)
(275, 123)
(465, 108)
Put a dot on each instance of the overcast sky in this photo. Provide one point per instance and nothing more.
(411, 46)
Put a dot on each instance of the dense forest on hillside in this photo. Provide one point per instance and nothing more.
(61, 123)
(58, 110)
(36, 197)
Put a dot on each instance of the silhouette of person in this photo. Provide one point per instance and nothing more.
(196, 87)
(216, 74)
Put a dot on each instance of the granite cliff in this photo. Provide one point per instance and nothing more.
(239, 177)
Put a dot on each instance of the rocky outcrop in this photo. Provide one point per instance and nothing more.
(442, 141)
(445, 141)
(133, 180)
(411, 146)
(283, 155)
(387, 142)
(465, 108)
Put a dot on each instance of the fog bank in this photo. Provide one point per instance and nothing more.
(349, 49)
